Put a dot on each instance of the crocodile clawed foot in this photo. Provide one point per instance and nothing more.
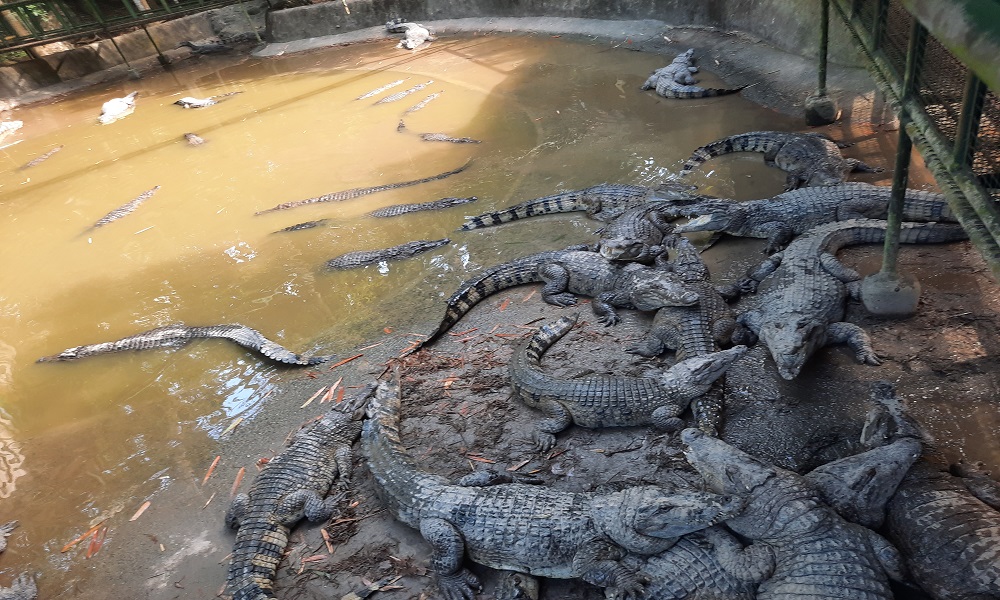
(630, 587)
(868, 357)
(544, 441)
(609, 319)
(563, 300)
(460, 586)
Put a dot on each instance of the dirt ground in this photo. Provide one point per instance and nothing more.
(458, 416)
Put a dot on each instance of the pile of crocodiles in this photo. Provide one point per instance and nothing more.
(894, 511)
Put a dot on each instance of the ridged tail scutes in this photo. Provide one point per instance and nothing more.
(549, 334)
(559, 203)
(754, 141)
(257, 553)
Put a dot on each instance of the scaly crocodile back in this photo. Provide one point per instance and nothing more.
(126, 208)
(402, 209)
(361, 258)
(604, 202)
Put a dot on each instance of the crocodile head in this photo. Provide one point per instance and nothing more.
(831, 174)
(687, 264)
(622, 248)
(692, 377)
(653, 289)
(649, 519)
(67, 354)
(726, 469)
(713, 221)
(792, 341)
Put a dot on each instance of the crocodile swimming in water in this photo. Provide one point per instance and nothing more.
(569, 272)
(531, 529)
(804, 289)
(438, 137)
(792, 213)
(40, 159)
(23, 587)
(422, 103)
(125, 209)
(358, 192)
(361, 258)
(381, 89)
(676, 81)
(303, 225)
(190, 102)
(809, 159)
(608, 400)
(404, 93)
(295, 484)
(401, 209)
(177, 335)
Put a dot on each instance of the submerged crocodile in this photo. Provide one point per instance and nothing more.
(604, 202)
(608, 400)
(439, 137)
(809, 159)
(193, 139)
(569, 272)
(804, 289)
(401, 209)
(295, 484)
(303, 225)
(358, 192)
(422, 103)
(177, 335)
(190, 102)
(352, 260)
(528, 528)
(404, 93)
(5, 530)
(793, 213)
(817, 553)
(125, 209)
(40, 159)
(381, 89)
(676, 81)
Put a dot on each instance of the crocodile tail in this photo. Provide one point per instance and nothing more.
(257, 552)
(548, 334)
(694, 91)
(558, 203)
(251, 339)
(754, 141)
(926, 206)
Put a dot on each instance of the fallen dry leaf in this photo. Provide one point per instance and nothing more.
(210, 469)
(141, 510)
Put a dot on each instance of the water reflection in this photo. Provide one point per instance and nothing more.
(11, 456)
(243, 386)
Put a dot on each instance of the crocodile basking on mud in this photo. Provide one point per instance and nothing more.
(817, 554)
(638, 235)
(604, 202)
(804, 288)
(528, 528)
(569, 272)
(177, 335)
(608, 400)
(810, 159)
(676, 80)
(358, 192)
(401, 209)
(293, 485)
(352, 260)
(792, 213)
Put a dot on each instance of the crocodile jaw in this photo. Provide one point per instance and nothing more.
(726, 469)
(709, 222)
(694, 375)
(791, 343)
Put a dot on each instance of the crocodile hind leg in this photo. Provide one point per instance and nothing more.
(599, 562)
(856, 338)
(558, 420)
(978, 482)
(307, 503)
(860, 167)
(887, 554)
(753, 564)
(556, 279)
(237, 510)
(707, 409)
(455, 582)
(516, 586)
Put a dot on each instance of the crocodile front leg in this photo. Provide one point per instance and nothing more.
(978, 482)
(887, 554)
(752, 564)
(837, 269)
(856, 338)
(556, 279)
(599, 562)
(778, 235)
(747, 328)
(344, 458)
(455, 582)
(860, 167)
(707, 410)
(604, 310)
(558, 419)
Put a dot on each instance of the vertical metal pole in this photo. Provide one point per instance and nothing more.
(968, 121)
(900, 177)
(824, 44)
(120, 53)
(159, 55)
(250, 21)
(878, 23)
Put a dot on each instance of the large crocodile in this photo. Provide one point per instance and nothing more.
(793, 213)
(801, 307)
(568, 272)
(358, 192)
(401, 209)
(637, 235)
(295, 484)
(808, 158)
(177, 335)
(528, 528)
(604, 202)
(608, 400)
(360, 258)
(817, 553)
(676, 80)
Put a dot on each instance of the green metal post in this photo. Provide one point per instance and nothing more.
(968, 121)
(824, 44)
(878, 23)
(159, 54)
(120, 53)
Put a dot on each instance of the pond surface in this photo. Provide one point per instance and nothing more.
(86, 440)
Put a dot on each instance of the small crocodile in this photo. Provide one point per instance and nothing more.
(379, 90)
(604, 202)
(438, 137)
(39, 160)
(568, 272)
(637, 235)
(178, 335)
(358, 192)
(209, 46)
(608, 400)
(125, 209)
(528, 528)
(422, 103)
(793, 213)
(810, 159)
(805, 287)
(401, 209)
(189, 102)
(676, 81)
(404, 93)
(303, 225)
(352, 260)
(294, 485)
(817, 553)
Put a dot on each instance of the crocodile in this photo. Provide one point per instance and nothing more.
(40, 159)
(22, 588)
(189, 102)
(125, 209)
(438, 137)
(568, 272)
(352, 260)
(817, 553)
(193, 139)
(637, 235)
(303, 225)
(117, 108)
(5, 530)
(358, 192)
(608, 400)
(404, 93)
(294, 484)
(381, 89)
(804, 289)
(603, 202)
(209, 46)
(676, 81)
(793, 213)
(422, 103)
(401, 209)
(177, 335)
(810, 159)
(530, 529)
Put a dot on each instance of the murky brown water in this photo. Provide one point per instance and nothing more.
(91, 438)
